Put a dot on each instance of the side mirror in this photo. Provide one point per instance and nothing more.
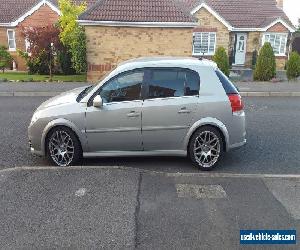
(97, 102)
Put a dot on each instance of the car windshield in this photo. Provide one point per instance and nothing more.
(87, 90)
(84, 93)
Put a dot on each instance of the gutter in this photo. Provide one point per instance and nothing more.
(138, 24)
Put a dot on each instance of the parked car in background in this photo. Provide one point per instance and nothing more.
(145, 107)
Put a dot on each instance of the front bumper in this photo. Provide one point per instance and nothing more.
(33, 150)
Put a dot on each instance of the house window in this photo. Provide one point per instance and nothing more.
(278, 42)
(11, 40)
(204, 43)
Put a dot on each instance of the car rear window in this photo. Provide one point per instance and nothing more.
(228, 86)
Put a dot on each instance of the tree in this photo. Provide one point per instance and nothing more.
(72, 35)
(265, 68)
(293, 66)
(44, 44)
(5, 58)
(221, 59)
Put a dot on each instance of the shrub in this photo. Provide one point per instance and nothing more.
(293, 66)
(265, 68)
(44, 45)
(37, 64)
(222, 60)
(5, 58)
(65, 62)
(254, 58)
(72, 35)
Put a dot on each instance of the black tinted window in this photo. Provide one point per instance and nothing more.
(126, 87)
(173, 83)
(227, 84)
(192, 83)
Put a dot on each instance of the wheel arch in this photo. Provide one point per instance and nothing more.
(209, 121)
(60, 123)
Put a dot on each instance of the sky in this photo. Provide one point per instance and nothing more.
(292, 9)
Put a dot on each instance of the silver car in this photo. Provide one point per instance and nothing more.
(145, 107)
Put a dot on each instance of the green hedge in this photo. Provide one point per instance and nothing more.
(293, 66)
(265, 68)
(222, 60)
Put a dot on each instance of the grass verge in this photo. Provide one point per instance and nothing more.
(25, 77)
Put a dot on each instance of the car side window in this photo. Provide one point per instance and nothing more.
(125, 87)
(192, 83)
(172, 82)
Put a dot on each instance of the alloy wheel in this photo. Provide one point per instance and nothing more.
(207, 149)
(61, 148)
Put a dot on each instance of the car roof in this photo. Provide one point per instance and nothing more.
(164, 61)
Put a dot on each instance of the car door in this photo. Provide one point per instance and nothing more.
(169, 106)
(116, 126)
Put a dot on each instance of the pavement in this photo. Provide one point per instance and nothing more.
(37, 88)
(123, 208)
(52, 89)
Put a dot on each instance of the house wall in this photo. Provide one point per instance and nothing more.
(42, 17)
(209, 22)
(253, 43)
(108, 46)
(3, 36)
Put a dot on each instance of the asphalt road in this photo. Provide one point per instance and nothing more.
(103, 206)
(273, 125)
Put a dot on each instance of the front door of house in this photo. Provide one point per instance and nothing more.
(240, 49)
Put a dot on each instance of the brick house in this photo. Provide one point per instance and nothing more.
(15, 14)
(118, 30)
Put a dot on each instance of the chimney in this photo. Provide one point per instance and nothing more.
(280, 4)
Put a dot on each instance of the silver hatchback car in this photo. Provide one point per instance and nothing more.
(145, 107)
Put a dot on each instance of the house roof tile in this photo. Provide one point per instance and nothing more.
(238, 13)
(138, 11)
(244, 13)
(11, 10)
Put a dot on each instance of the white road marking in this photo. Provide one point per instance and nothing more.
(200, 191)
(168, 174)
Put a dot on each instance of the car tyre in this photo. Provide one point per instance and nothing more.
(63, 148)
(206, 148)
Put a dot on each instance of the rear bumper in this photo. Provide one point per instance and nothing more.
(237, 131)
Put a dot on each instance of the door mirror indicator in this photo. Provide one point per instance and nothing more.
(98, 102)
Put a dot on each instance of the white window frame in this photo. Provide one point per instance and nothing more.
(27, 45)
(14, 39)
(208, 53)
(276, 34)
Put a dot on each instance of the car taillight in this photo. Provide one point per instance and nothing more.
(236, 102)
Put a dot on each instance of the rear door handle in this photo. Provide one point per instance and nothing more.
(184, 110)
(133, 114)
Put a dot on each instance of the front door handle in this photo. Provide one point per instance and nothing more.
(184, 110)
(133, 114)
